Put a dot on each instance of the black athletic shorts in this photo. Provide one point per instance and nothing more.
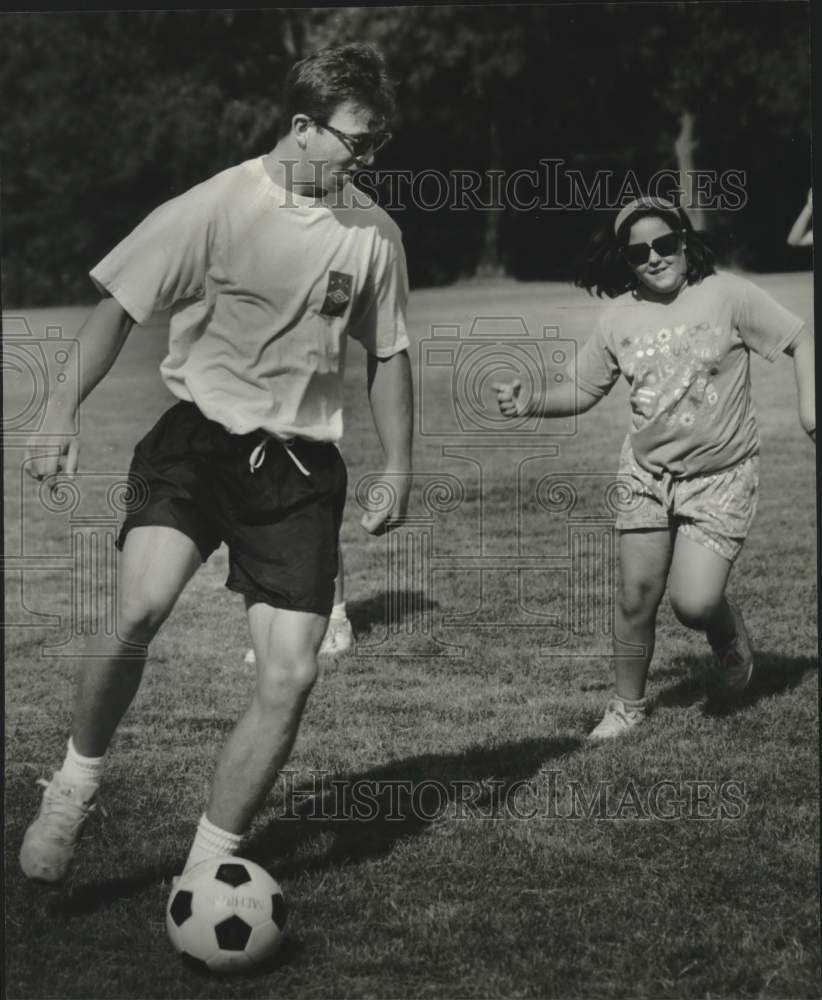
(280, 524)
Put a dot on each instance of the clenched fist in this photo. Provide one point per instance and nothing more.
(512, 401)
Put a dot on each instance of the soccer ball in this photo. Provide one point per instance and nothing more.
(226, 915)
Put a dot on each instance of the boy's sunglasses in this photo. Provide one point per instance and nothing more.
(360, 145)
(638, 254)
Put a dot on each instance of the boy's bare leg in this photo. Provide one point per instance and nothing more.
(155, 565)
(286, 645)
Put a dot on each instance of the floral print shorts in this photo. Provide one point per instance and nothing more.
(715, 510)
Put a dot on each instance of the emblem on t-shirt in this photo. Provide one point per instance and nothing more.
(338, 293)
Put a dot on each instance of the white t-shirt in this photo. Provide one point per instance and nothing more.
(264, 285)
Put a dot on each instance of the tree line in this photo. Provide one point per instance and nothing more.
(570, 107)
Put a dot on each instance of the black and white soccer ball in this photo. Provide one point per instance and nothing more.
(226, 915)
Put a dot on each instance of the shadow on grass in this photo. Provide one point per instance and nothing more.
(90, 897)
(399, 800)
(290, 952)
(689, 689)
(375, 611)
(773, 674)
(365, 815)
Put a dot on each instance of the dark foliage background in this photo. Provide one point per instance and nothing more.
(108, 114)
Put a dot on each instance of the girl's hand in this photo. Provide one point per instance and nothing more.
(512, 401)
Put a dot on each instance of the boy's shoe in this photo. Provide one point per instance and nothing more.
(734, 660)
(50, 841)
(620, 716)
(338, 639)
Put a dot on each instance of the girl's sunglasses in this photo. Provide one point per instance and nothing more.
(638, 254)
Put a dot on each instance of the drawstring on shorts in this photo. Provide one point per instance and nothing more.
(257, 456)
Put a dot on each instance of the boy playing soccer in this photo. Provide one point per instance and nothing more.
(266, 267)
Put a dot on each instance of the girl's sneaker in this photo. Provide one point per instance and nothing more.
(734, 660)
(338, 638)
(52, 838)
(620, 716)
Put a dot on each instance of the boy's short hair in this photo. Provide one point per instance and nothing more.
(317, 85)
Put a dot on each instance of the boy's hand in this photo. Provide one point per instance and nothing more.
(52, 450)
(394, 486)
(511, 400)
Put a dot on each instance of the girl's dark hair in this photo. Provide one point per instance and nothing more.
(317, 85)
(602, 268)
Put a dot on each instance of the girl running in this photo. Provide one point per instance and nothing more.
(681, 334)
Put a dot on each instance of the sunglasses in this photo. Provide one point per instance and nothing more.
(637, 254)
(360, 145)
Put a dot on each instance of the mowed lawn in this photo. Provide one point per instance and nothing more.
(695, 874)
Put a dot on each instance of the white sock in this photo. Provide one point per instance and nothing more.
(211, 842)
(80, 770)
(634, 705)
(338, 612)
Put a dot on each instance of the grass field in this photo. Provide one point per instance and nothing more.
(450, 898)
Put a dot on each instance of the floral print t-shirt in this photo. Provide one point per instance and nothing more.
(687, 363)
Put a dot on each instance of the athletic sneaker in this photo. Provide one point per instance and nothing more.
(618, 719)
(338, 639)
(50, 841)
(734, 660)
